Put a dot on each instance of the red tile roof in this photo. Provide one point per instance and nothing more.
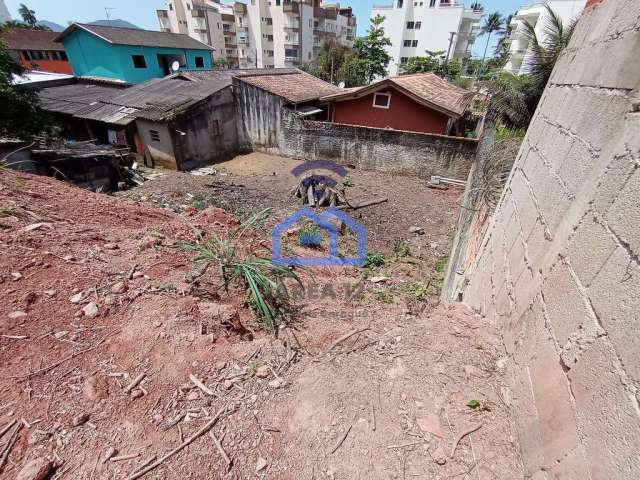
(294, 87)
(27, 39)
(426, 88)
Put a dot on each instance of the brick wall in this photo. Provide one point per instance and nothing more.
(411, 153)
(559, 265)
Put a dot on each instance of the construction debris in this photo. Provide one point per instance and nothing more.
(316, 191)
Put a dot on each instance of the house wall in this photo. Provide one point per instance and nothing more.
(558, 266)
(157, 153)
(55, 66)
(418, 154)
(259, 115)
(92, 56)
(403, 114)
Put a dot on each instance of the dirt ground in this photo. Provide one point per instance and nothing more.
(116, 352)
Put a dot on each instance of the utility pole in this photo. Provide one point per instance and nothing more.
(446, 60)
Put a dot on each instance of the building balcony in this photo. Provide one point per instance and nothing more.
(162, 13)
(241, 29)
(240, 8)
(243, 42)
(291, 8)
(383, 7)
(228, 32)
(165, 30)
(228, 18)
(197, 13)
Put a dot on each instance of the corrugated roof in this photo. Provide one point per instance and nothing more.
(295, 87)
(426, 88)
(27, 39)
(136, 36)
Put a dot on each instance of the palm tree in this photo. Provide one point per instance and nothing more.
(29, 16)
(542, 55)
(493, 23)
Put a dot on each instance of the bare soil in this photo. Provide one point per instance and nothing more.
(387, 402)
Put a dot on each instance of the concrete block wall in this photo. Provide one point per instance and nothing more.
(559, 265)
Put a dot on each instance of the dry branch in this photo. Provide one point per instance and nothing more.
(461, 436)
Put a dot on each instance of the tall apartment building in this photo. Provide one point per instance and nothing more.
(5, 16)
(538, 16)
(262, 33)
(417, 26)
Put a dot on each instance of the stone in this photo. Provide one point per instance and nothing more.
(379, 279)
(77, 298)
(50, 293)
(111, 246)
(80, 419)
(439, 456)
(94, 389)
(137, 393)
(277, 383)
(193, 396)
(137, 275)
(262, 371)
(430, 424)
(36, 469)
(110, 452)
(91, 310)
(33, 226)
(416, 230)
(119, 288)
(15, 276)
(17, 314)
(69, 258)
(261, 464)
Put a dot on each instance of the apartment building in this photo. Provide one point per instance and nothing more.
(5, 16)
(538, 16)
(261, 33)
(435, 25)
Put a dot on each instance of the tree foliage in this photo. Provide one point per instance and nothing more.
(29, 16)
(329, 62)
(14, 24)
(372, 57)
(426, 64)
(20, 115)
(493, 23)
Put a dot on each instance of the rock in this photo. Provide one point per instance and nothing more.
(137, 275)
(33, 226)
(69, 258)
(111, 452)
(380, 279)
(111, 246)
(80, 419)
(501, 363)
(193, 396)
(439, 456)
(261, 464)
(50, 293)
(119, 288)
(91, 310)
(77, 298)
(220, 365)
(17, 314)
(262, 371)
(95, 389)
(36, 469)
(15, 276)
(228, 384)
(137, 393)
(110, 300)
(277, 383)
(416, 230)
(430, 424)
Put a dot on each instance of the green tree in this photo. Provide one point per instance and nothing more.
(20, 115)
(493, 23)
(13, 24)
(428, 63)
(329, 61)
(370, 51)
(29, 16)
(352, 72)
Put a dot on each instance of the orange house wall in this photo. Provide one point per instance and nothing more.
(55, 66)
(403, 114)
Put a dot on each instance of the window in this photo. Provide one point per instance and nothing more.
(309, 55)
(410, 25)
(277, 3)
(414, 43)
(199, 62)
(404, 60)
(269, 21)
(418, 25)
(399, 3)
(381, 100)
(269, 38)
(188, 6)
(407, 43)
(154, 135)
(139, 61)
(171, 7)
(432, 3)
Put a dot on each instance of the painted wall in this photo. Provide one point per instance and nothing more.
(92, 56)
(558, 267)
(259, 116)
(55, 66)
(403, 114)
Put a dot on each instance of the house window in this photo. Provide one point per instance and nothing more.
(277, 3)
(381, 100)
(199, 62)
(432, 3)
(418, 25)
(171, 7)
(139, 61)
(269, 21)
(404, 60)
(414, 43)
(407, 43)
(410, 25)
(155, 135)
(399, 3)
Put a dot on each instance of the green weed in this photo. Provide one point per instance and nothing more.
(374, 260)
(441, 264)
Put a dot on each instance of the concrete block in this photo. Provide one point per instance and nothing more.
(537, 246)
(566, 306)
(525, 289)
(607, 414)
(526, 420)
(624, 214)
(625, 16)
(553, 401)
(553, 199)
(525, 332)
(614, 295)
(589, 248)
(525, 206)
(576, 165)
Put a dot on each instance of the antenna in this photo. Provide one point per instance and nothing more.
(106, 10)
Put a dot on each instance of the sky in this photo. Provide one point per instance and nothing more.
(143, 12)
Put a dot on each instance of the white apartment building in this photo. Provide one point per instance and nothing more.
(4, 12)
(262, 33)
(537, 15)
(417, 26)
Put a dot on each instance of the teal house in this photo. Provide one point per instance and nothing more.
(129, 54)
